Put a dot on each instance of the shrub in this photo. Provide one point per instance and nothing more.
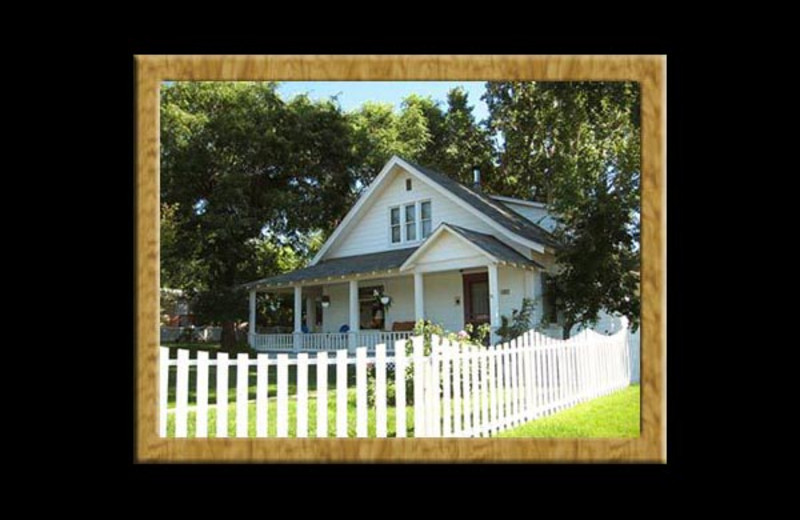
(426, 329)
(520, 321)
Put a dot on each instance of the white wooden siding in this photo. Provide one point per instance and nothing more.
(447, 247)
(338, 313)
(369, 232)
(512, 280)
(441, 291)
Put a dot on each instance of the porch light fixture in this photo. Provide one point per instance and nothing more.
(385, 300)
(326, 301)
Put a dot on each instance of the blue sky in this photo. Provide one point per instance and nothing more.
(353, 94)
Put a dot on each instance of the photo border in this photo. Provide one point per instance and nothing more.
(649, 71)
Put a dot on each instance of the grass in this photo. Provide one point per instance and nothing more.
(611, 416)
(272, 385)
(312, 418)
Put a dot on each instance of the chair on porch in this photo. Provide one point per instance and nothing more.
(344, 328)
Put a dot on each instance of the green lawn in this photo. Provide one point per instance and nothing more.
(612, 416)
(312, 418)
(272, 380)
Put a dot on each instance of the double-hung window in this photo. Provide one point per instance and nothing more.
(395, 224)
(410, 222)
(425, 218)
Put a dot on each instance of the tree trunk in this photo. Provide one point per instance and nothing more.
(567, 328)
(228, 337)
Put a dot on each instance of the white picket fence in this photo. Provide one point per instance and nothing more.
(459, 390)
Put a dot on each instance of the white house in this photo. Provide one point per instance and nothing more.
(435, 248)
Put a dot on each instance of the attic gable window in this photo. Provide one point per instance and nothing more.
(408, 184)
(410, 222)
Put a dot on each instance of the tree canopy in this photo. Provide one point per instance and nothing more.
(577, 147)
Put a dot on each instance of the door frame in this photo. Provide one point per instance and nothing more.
(467, 281)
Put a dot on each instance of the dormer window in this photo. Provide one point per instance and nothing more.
(410, 222)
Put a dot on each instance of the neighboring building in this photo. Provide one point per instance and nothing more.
(438, 249)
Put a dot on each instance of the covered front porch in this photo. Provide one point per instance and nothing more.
(349, 302)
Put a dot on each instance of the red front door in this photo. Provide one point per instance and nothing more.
(476, 298)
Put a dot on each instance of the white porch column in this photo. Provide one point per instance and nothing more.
(419, 297)
(494, 303)
(298, 316)
(251, 337)
(311, 311)
(355, 317)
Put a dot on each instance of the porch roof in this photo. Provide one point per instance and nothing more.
(494, 247)
(339, 267)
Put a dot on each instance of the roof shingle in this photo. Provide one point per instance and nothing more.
(494, 209)
(343, 266)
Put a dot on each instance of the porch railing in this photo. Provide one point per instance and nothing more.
(322, 341)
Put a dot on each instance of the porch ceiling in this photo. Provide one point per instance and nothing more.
(339, 268)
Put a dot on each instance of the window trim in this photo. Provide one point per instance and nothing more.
(419, 220)
(399, 224)
(401, 207)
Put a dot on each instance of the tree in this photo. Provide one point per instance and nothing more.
(450, 140)
(467, 144)
(577, 147)
(240, 166)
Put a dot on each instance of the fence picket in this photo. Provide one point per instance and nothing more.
(341, 393)
(380, 390)
(447, 430)
(466, 393)
(282, 418)
(163, 389)
(506, 393)
(400, 386)
(222, 394)
(529, 404)
(458, 423)
(201, 415)
(434, 403)
(241, 394)
(493, 422)
(419, 387)
(262, 397)
(476, 393)
(322, 394)
(361, 392)
(514, 382)
(182, 394)
(302, 395)
(484, 376)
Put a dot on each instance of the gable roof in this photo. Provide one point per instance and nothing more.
(490, 207)
(488, 244)
(493, 212)
(339, 267)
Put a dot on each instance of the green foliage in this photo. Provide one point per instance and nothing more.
(427, 329)
(245, 178)
(577, 147)
(520, 321)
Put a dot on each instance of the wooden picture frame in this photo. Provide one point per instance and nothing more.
(649, 71)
